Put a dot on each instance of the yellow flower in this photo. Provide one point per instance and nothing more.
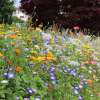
(49, 54)
(86, 46)
(32, 58)
(40, 25)
(1, 55)
(40, 58)
(2, 32)
(36, 58)
(38, 29)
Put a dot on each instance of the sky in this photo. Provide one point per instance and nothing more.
(17, 3)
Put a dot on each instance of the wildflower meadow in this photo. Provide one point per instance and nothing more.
(46, 65)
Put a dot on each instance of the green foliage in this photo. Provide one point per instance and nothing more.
(16, 20)
(6, 10)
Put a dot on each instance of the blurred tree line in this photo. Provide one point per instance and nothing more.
(6, 11)
(64, 13)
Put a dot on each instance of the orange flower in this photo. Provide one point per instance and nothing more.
(18, 69)
(1, 55)
(49, 58)
(18, 51)
(13, 36)
(89, 81)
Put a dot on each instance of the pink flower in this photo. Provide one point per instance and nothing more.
(76, 27)
(93, 62)
(26, 98)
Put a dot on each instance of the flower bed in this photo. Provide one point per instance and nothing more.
(47, 66)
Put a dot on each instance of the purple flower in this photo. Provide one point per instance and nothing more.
(10, 75)
(52, 78)
(5, 74)
(52, 69)
(77, 87)
(68, 70)
(73, 72)
(47, 42)
(30, 91)
(80, 98)
(56, 39)
(37, 98)
(51, 74)
(65, 69)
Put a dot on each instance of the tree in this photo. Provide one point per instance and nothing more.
(6, 10)
(85, 13)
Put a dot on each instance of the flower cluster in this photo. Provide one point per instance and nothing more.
(45, 65)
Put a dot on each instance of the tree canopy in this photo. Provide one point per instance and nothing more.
(6, 10)
(85, 13)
